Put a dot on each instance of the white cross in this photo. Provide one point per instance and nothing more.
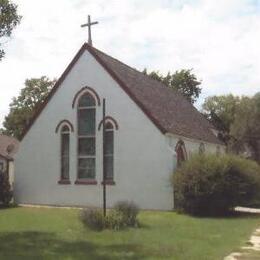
(88, 24)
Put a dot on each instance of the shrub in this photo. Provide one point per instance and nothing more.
(5, 189)
(92, 218)
(123, 215)
(129, 211)
(114, 220)
(211, 185)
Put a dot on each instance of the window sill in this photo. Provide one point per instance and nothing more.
(64, 182)
(109, 182)
(86, 182)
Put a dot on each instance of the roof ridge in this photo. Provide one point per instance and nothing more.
(166, 107)
(151, 79)
(134, 69)
(154, 83)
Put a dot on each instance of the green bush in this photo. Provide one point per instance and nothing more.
(93, 218)
(123, 215)
(129, 211)
(213, 185)
(114, 220)
(5, 189)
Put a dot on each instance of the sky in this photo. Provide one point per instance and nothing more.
(219, 40)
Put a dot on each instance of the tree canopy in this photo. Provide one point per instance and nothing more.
(221, 110)
(238, 119)
(9, 19)
(183, 81)
(24, 106)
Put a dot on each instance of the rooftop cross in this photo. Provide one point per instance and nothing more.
(88, 24)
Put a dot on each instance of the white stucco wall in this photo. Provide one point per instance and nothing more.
(144, 158)
(192, 145)
(143, 162)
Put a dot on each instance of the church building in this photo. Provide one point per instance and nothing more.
(148, 130)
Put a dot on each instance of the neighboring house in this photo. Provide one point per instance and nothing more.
(149, 129)
(8, 148)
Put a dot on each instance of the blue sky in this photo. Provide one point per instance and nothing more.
(219, 39)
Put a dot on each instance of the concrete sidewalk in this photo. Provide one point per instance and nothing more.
(253, 243)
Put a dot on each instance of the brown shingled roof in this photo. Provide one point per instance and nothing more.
(167, 109)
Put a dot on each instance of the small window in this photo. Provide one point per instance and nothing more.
(180, 152)
(65, 152)
(201, 148)
(86, 137)
(109, 151)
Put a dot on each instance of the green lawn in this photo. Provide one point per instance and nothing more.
(58, 234)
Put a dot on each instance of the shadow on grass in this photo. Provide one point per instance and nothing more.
(10, 206)
(47, 245)
(229, 215)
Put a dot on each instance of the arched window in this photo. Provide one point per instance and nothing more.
(86, 137)
(201, 148)
(65, 153)
(109, 151)
(180, 152)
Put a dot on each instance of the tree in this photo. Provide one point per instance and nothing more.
(220, 110)
(183, 81)
(24, 106)
(246, 126)
(9, 19)
(238, 120)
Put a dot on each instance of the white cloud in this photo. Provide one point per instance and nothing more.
(219, 39)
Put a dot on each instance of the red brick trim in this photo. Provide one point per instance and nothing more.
(109, 182)
(109, 118)
(90, 90)
(64, 182)
(85, 182)
(64, 121)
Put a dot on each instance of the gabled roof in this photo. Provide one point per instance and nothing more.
(167, 109)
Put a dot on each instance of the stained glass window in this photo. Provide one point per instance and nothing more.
(86, 137)
(109, 151)
(180, 152)
(65, 152)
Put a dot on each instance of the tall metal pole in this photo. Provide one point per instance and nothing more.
(104, 170)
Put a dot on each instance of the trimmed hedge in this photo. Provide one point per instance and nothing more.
(213, 185)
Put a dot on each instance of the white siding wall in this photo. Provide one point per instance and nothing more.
(192, 145)
(144, 157)
(143, 161)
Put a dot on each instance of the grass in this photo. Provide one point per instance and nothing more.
(40, 233)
